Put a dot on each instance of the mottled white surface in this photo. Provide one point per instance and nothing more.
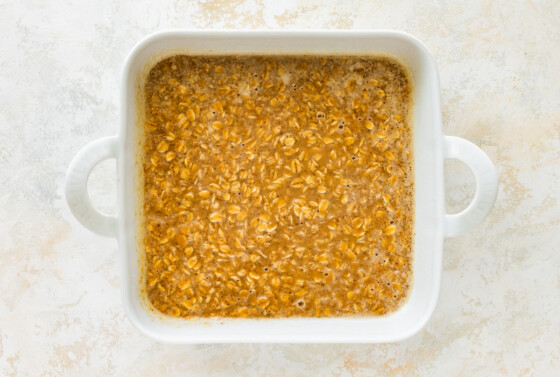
(60, 308)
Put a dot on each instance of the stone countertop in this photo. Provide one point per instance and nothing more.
(60, 306)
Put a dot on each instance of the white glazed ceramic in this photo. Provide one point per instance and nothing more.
(431, 147)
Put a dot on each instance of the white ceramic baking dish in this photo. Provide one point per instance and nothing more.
(431, 147)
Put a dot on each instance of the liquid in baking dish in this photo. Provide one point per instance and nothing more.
(278, 186)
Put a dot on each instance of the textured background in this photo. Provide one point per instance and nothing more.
(60, 308)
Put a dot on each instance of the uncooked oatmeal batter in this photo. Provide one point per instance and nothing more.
(278, 186)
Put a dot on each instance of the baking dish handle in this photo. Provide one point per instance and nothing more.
(486, 185)
(76, 186)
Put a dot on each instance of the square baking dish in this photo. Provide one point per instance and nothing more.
(431, 223)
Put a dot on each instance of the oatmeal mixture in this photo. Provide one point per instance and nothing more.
(277, 186)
